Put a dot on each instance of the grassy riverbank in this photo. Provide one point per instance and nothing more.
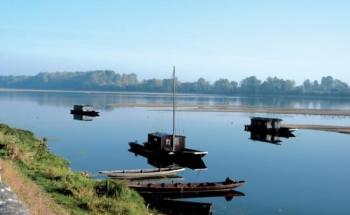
(68, 191)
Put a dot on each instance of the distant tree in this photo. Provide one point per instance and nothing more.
(202, 85)
(109, 80)
(222, 86)
(327, 84)
(307, 86)
(250, 85)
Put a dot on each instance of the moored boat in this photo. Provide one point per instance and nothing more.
(142, 173)
(168, 144)
(164, 188)
(157, 148)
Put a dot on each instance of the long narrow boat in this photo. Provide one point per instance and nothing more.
(142, 173)
(164, 188)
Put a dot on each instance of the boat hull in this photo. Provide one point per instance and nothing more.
(137, 174)
(183, 154)
(189, 188)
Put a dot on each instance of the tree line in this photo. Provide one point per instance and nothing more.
(111, 81)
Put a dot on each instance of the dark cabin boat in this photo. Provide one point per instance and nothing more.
(161, 144)
(268, 125)
(86, 110)
(168, 144)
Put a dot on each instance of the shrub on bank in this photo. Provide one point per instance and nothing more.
(76, 192)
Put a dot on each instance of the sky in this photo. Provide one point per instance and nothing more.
(214, 39)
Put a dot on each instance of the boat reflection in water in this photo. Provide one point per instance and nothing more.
(82, 117)
(161, 161)
(175, 203)
(268, 137)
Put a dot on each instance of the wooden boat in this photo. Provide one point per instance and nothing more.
(164, 188)
(142, 173)
(168, 144)
(84, 110)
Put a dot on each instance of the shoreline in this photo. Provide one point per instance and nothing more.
(46, 184)
(119, 92)
(237, 109)
(327, 128)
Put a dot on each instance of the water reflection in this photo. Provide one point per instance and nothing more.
(176, 207)
(268, 137)
(160, 161)
(110, 101)
(173, 203)
(82, 117)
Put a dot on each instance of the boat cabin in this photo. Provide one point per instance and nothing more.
(164, 142)
(83, 108)
(261, 123)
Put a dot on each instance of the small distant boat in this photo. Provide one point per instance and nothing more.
(87, 110)
(143, 173)
(167, 188)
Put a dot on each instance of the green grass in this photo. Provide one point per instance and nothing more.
(74, 191)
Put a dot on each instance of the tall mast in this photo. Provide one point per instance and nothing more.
(173, 108)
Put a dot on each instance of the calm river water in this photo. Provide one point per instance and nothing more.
(307, 174)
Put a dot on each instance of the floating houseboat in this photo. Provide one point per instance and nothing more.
(87, 110)
(142, 173)
(267, 125)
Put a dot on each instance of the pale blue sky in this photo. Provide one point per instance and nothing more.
(210, 39)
